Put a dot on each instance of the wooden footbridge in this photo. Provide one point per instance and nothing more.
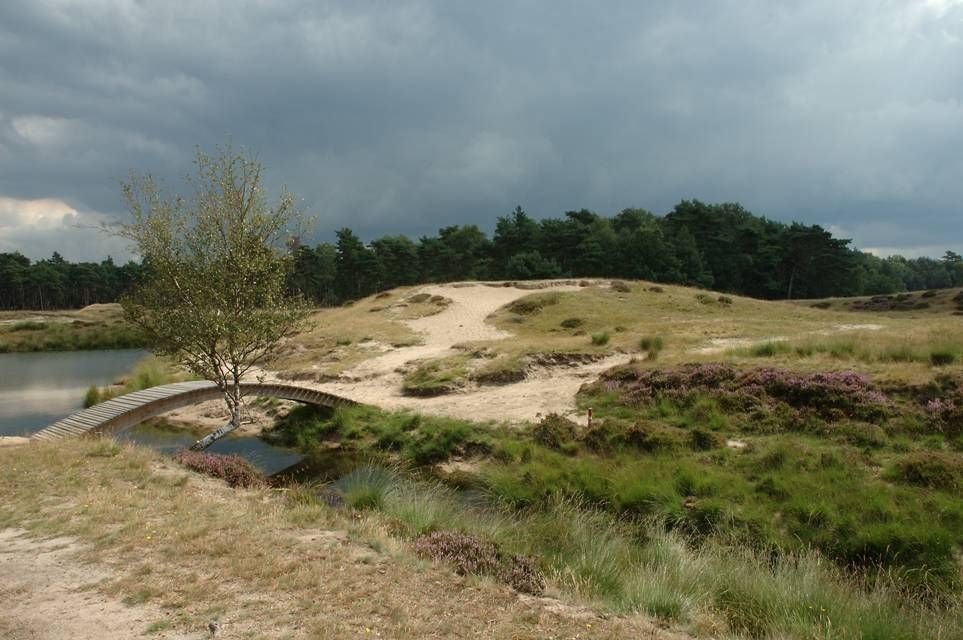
(128, 410)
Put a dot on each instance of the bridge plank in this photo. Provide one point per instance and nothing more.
(57, 431)
(148, 403)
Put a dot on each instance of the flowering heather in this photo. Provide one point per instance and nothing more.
(471, 555)
(235, 470)
(832, 394)
(938, 406)
(947, 413)
(521, 573)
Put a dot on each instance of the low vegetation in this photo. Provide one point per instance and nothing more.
(435, 377)
(335, 340)
(149, 372)
(234, 470)
(265, 562)
(94, 327)
(719, 498)
(928, 348)
(924, 304)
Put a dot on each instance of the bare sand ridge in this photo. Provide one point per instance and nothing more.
(377, 381)
(49, 594)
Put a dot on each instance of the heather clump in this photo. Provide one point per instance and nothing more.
(946, 413)
(234, 470)
(522, 574)
(833, 395)
(471, 555)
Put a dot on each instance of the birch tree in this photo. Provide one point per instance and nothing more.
(213, 295)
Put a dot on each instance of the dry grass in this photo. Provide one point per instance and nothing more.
(917, 304)
(266, 563)
(694, 326)
(98, 326)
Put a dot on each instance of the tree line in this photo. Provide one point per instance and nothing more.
(718, 246)
(56, 283)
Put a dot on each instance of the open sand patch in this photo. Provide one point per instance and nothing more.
(378, 380)
(48, 593)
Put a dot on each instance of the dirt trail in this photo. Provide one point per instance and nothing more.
(48, 594)
(377, 380)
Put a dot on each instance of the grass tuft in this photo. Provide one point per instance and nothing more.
(600, 339)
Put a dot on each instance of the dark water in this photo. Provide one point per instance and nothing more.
(37, 389)
(167, 439)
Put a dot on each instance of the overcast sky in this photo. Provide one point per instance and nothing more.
(406, 116)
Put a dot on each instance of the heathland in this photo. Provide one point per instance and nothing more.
(751, 469)
(96, 326)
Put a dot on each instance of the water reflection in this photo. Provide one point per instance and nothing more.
(37, 389)
(168, 439)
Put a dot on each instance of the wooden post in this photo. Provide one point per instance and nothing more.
(590, 417)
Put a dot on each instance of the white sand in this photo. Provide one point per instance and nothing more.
(377, 381)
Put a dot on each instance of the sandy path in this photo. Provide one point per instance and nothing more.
(48, 594)
(377, 381)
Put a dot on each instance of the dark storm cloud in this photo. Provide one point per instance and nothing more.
(406, 116)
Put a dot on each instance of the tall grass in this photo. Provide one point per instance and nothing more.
(149, 372)
(32, 336)
(866, 348)
(713, 587)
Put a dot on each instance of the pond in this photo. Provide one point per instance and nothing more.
(37, 389)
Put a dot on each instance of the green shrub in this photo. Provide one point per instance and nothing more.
(554, 431)
(92, 396)
(572, 323)
(862, 434)
(28, 325)
(933, 469)
(435, 378)
(600, 339)
(704, 440)
(533, 304)
(769, 349)
(437, 440)
(942, 357)
(650, 436)
(652, 344)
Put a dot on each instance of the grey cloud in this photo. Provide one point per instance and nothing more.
(393, 117)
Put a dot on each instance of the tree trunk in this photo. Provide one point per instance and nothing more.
(233, 399)
(792, 277)
(213, 437)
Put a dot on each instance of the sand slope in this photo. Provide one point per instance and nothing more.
(377, 381)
